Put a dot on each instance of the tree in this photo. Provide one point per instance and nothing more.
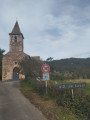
(49, 59)
(31, 67)
(50, 62)
(1, 55)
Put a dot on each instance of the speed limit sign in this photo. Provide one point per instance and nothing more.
(45, 68)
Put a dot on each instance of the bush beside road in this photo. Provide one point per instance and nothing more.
(62, 104)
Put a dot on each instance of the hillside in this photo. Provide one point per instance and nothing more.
(78, 67)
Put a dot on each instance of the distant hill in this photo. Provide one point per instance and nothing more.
(79, 67)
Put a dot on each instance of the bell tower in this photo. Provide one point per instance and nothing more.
(11, 69)
(16, 39)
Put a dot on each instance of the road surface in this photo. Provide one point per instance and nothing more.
(14, 106)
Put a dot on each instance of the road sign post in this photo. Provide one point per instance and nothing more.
(46, 77)
(46, 86)
(72, 86)
(72, 95)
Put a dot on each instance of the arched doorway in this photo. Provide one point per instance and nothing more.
(15, 73)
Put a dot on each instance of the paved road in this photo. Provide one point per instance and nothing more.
(14, 106)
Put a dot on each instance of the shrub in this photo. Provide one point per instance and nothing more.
(80, 105)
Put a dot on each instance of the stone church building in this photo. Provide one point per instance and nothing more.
(10, 62)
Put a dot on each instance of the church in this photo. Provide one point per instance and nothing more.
(11, 60)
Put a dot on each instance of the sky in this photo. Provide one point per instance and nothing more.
(51, 28)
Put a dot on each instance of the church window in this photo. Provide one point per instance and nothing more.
(15, 39)
(15, 62)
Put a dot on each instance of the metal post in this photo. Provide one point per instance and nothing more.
(46, 86)
(72, 95)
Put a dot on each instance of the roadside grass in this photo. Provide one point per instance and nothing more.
(64, 113)
(25, 85)
(74, 81)
(46, 103)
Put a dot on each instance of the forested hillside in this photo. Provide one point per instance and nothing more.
(72, 67)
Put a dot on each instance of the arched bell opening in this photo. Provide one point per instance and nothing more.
(16, 73)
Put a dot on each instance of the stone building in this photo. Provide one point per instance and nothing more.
(10, 62)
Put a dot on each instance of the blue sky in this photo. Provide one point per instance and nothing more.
(51, 28)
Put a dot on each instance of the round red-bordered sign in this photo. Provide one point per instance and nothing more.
(45, 68)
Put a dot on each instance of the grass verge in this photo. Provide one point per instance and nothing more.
(46, 104)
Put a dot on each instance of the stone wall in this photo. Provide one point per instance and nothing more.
(9, 62)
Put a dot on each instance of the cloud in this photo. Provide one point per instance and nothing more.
(52, 28)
